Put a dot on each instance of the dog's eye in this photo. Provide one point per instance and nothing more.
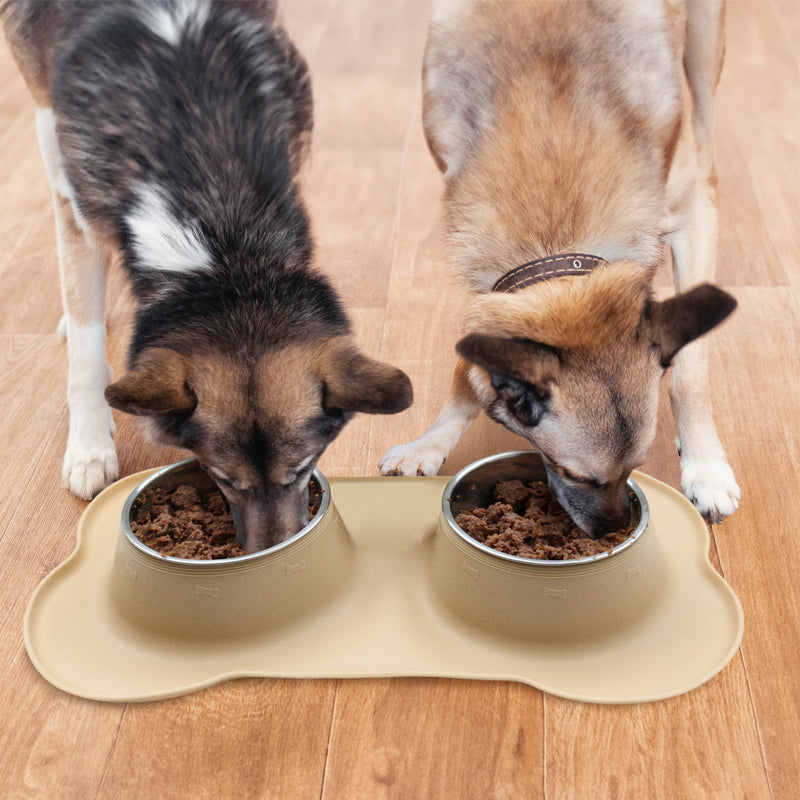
(224, 480)
(592, 482)
(301, 470)
(217, 475)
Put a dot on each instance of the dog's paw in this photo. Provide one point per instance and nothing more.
(88, 470)
(712, 488)
(412, 459)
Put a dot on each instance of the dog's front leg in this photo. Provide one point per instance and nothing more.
(90, 462)
(426, 454)
(706, 477)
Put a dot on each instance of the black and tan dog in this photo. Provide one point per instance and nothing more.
(575, 140)
(174, 131)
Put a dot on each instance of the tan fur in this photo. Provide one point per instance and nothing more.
(579, 127)
(587, 172)
(568, 314)
(79, 296)
(291, 386)
(355, 382)
(288, 392)
(158, 385)
(32, 57)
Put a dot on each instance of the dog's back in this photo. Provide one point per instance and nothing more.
(190, 108)
(567, 110)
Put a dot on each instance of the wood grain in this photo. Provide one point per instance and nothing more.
(374, 194)
(435, 739)
(250, 739)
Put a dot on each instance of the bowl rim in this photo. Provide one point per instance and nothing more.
(644, 519)
(207, 563)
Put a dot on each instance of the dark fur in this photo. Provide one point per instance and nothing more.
(218, 123)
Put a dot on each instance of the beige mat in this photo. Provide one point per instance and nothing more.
(387, 622)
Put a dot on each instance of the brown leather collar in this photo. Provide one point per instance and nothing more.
(544, 268)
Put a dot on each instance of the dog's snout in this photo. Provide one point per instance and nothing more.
(609, 524)
(269, 519)
(615, 514)
(596, 511)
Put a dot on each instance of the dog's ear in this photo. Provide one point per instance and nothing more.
(673, 323)
(155, 387)
(519, 359)
(354, 382)
(519, 369)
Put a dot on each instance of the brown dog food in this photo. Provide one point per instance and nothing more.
(181, 522)
(527, 521)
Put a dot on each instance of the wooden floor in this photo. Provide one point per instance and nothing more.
(374, 195)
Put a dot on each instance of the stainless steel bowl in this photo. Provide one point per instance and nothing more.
(234, 596)
(474, 486)
(506, 594)
(190, 472)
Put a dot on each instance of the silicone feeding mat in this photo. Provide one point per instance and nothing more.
(386, 622)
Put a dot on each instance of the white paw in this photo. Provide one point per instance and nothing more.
(711, 486)
(412, 459)
(61, 330)
(88, 470)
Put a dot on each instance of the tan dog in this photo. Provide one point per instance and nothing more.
(578, 136)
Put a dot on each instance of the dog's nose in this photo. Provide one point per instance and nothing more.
(613, 519)
(605, 525)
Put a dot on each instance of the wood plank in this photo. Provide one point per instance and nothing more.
(306, 21)
(32, 262)
(259, 739)
(435, 739)
(741, 231)
(758, 544)
(698, 745)
(51, 744)
(761, 105)
(787, 13)
(362, 113)
(355, 220)
(34, 378)
(388, 39)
